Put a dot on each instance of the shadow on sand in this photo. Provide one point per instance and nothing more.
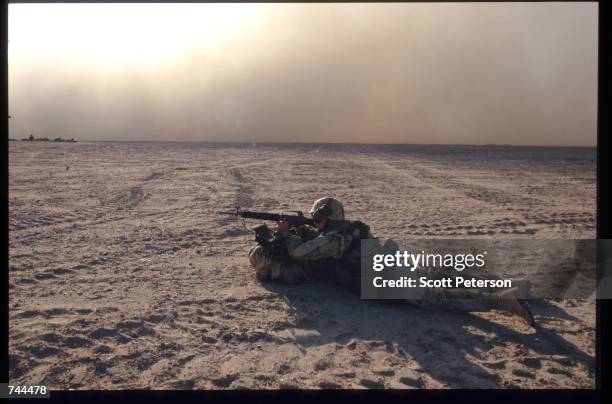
(446, 345)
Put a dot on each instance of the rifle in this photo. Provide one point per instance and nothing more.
(293, 220)
(264, 236)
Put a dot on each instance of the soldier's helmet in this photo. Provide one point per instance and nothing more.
(327, 208)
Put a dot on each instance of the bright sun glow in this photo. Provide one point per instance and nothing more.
(115, 34)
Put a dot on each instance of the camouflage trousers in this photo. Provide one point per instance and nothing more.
(292, 272)
(456, 300)
(268, 267)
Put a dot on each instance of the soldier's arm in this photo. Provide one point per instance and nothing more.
(307, 232)
(318, 248)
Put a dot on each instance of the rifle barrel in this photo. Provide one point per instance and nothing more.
(274, 217)
(260, 215)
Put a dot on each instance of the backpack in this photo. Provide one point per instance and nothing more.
(347, 268)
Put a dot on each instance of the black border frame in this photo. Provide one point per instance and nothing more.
(602, 393)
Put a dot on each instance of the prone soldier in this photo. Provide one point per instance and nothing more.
(330, 250)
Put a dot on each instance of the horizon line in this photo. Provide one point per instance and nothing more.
(335, 143)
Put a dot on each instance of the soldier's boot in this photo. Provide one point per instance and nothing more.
(506, 301)
(523, 287)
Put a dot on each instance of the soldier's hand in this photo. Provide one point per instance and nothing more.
(302, 230)
(307, 231)
(283, 227)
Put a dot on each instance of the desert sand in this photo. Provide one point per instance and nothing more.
(123, 277)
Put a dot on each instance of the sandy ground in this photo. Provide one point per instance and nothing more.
(122, 275)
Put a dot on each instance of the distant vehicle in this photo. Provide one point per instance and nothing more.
(44, 139)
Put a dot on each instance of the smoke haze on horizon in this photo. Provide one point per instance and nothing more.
(436, 73)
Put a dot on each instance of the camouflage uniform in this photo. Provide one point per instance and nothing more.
(313, 256)
(334, 254)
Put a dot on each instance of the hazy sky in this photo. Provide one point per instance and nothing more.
(500, 73)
